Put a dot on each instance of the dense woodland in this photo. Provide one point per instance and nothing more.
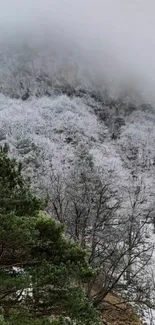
(42, 273)
(77, 166)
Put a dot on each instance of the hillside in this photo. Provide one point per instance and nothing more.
(90, 149)
(47, 131)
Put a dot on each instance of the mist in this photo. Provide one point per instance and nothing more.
(115, 39)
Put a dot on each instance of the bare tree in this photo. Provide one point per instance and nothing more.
(112, 228)
(58, 203)
(124, 258)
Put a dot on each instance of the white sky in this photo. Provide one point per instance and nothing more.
(125, 27)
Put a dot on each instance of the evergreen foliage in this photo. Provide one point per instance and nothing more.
(40, 269)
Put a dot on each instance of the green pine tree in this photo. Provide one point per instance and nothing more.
(40, 269)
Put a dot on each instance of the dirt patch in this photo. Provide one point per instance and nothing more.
(115, 312)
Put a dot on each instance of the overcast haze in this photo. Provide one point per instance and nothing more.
(117, 34)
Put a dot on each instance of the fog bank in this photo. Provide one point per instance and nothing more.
(114, 38)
